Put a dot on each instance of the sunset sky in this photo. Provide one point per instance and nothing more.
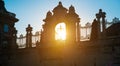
(34, 11)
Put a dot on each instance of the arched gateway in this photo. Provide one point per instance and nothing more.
(61, 15)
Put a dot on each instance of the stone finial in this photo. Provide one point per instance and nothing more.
(60, 3)
(49, 14)
(71, 8)
(2, 6)
(100, 10)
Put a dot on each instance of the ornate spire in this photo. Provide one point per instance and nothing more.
(71, 9)
(2, 7)
(49, 14)
(100, 10)
(29, 28)
(28, 25)
(59, 8)
(60, 3)
(94, 20)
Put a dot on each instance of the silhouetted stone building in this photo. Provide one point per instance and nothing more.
(113, 30)
(7, 34)
(58, 15)
(94, 33)
(116, 20)
(101, 23)
(7, 30)
(99, 26)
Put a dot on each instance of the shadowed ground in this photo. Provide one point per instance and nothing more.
(68, 55)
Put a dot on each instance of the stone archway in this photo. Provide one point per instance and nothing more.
(58, 15)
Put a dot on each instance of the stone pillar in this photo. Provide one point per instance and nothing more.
(41, 36)
(27, 44)
(99, 16)
(29, 36)
(78, 32)
(14, 38)
(21, 39)
(98, 25)
(94, 31)
(37, 44)
(73, 32)
(103, 21)
(73, 25)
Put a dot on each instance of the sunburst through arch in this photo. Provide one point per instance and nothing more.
(60, 31)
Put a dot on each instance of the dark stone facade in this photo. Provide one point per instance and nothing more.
(99, 26)
(8, 36)
(94, 32)
(113, 30)
(58, 15)
(7, 30)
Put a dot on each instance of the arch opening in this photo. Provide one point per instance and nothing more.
(60, 31)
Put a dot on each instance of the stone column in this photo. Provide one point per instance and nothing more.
(94, 31)
(30, 39)
(98, 25)
(27, 40)
(78, 32)
(29, 36)
(14, 38)
(103, 21)
(21, 39)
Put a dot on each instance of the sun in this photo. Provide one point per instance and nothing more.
(60, 31)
